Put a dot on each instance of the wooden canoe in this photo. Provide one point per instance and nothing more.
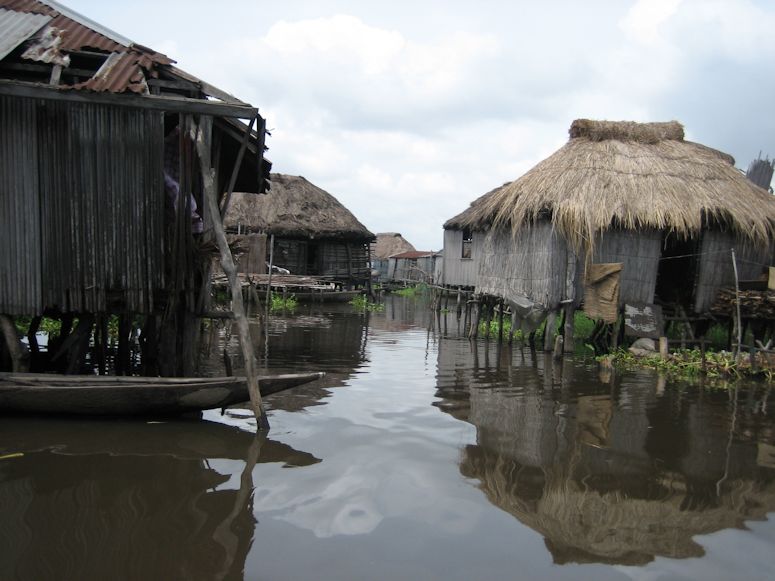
(132, 396)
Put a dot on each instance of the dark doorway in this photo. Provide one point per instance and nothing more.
(677, 272)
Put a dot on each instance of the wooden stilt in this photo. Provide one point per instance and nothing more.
(122, 357)
(476, 315)
(457, 306)
(203, 141)
(487, 306)
(550, 326)
(514, 327)
(80, 344)
(13, 344)
(500, 321)
(569, 328)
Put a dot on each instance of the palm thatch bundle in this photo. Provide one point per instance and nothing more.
(295, 208)
(390, 243)
(633, 176)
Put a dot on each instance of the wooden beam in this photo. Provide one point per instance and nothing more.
(236, 168)
(151, 102)
(203, 142)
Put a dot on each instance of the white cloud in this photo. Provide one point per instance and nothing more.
(406, 112)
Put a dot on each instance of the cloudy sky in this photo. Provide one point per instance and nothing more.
(407, 111)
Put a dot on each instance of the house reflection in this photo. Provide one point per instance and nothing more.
(616, 473)
(129, 499)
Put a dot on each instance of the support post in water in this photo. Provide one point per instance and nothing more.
(549, 328)
(203, 141)
(569, 330)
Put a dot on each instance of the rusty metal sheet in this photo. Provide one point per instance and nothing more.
(46, 47)
(643, 320)
(16, 27)
(120, 72)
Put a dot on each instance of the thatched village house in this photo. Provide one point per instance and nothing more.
(386, 245)
(624, 213)
(313, 233)
(111, 162)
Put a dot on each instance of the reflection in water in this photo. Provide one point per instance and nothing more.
(608, 473)
(130, 500)
(421, 448)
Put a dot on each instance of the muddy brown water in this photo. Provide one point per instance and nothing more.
(421, 455)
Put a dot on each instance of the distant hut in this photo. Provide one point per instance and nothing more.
(314, 234)
(412, 266)
(463, 246)
(386, 245)
(630, 207)
(109, 155)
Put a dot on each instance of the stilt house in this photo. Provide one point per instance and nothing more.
(314, 234)
(630, 201)
(386, 245)
(105, 152)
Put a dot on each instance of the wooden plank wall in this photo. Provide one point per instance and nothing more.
(640, 252)
(343, 259)
(533, 264)
(460, 271)
(715, 268)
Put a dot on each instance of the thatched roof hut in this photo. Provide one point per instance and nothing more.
(388, 244)
(314, 233)
(629, 193)
(634, 176)
(295, 208)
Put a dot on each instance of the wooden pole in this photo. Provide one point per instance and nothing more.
(13, 343)
(500, 321)
(569, 330)
(269, 281)
(235, 172)
(549, 329)
(203, 142)
(737, 306)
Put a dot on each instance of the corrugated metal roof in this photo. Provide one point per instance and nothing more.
(126, 69)
(16, 27)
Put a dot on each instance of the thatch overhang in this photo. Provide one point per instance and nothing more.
(296, 208)
(468, 217)
(632, 176)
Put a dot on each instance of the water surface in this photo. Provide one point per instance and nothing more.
(421, 455)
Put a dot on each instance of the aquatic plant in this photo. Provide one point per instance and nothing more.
(362, 303)
(688, 363)
(413, 291)
(282, 303)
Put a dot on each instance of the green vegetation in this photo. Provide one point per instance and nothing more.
(412, 291)
(583, 327)
(279, 303)
(47, 325)
(687, 364)
(362, 303)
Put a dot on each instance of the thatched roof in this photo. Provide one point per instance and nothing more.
(463, 219)
(388, 244)
(631, 175)
(295, 208)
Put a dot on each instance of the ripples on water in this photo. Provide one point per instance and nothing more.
(421, 455)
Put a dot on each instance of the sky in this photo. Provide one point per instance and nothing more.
(407, 111)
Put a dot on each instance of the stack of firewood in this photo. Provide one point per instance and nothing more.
(753, 304)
